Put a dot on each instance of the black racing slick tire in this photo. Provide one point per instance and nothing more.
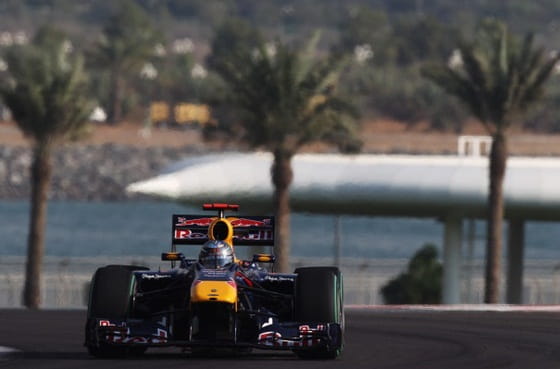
(319, 299)
(111, 291)
(110, 298)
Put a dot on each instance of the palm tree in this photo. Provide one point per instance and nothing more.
(287, 99)
(500, 77)
(129, 40)
(44, 89)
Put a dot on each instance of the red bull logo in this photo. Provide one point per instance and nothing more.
(244, 222)
(200, 222)
(182, 234)
(187, 234)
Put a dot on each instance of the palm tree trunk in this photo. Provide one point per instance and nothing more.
(498, 159)
(40, 178)
(282, 176)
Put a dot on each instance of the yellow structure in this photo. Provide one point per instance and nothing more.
(191, 113)
(159, 112)
(183, 113)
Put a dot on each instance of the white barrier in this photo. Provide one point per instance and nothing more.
(65, 281)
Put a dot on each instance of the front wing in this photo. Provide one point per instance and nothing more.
(271, 335)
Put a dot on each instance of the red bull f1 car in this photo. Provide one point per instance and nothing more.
(216, 301)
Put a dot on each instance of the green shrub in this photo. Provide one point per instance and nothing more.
(420, 284)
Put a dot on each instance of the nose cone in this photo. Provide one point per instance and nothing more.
(214, 291)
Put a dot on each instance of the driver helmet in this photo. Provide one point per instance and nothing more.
(216, 254)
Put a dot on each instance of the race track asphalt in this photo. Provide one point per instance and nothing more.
(374, 339)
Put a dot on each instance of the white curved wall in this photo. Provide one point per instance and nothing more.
(365, 184)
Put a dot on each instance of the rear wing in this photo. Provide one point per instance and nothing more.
(247, 230)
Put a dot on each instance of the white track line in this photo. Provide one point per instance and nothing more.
(7, 352)
(459, 307)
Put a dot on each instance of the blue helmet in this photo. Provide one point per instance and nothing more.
(216, 254)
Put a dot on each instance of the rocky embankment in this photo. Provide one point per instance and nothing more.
(90, 173)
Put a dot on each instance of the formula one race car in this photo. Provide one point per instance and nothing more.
(217, 300)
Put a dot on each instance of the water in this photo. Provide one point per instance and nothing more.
(81, 229)
(86, 229)
(83, 236)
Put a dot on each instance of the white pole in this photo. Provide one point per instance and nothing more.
(337, 245)
(452, 260)
(471, 234)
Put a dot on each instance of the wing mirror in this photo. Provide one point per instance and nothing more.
(172, 256)
(263, 258)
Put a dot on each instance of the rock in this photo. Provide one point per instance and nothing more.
(88, 173)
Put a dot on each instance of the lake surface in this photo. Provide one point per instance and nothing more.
(85, 229)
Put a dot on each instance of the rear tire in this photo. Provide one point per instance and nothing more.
(319, 299)
(110, 297)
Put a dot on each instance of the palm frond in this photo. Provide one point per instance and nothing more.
(287, 98)
(307, 56)
(501, 76)
(47, 92)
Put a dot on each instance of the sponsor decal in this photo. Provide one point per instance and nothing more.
(267, 323)
(255, 236)
(276, 278)
(306, 330)
(107, 323)
(123, 336)
(119, 336)
(154, 276)
(244, 222)
(200, 222)
(161, 336)
(269, 336)
(121, 339)
(182, 233)
(212, 274)
(187, 234)
(274, 339)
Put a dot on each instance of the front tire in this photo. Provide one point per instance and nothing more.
(319, 299)
(111, 293)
